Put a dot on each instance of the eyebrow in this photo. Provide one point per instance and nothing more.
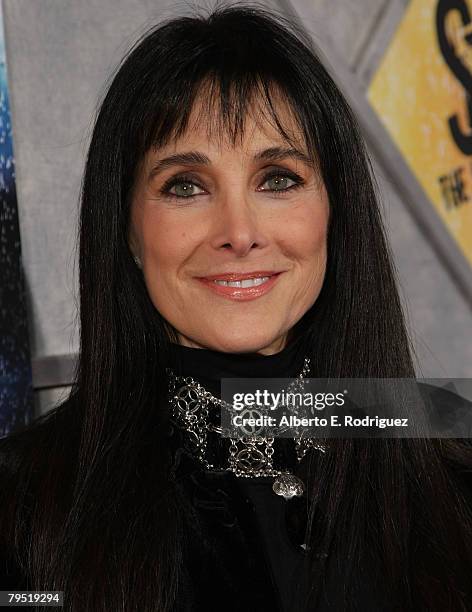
(192, 158)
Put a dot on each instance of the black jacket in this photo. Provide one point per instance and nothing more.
(243, 544)
(243, 547)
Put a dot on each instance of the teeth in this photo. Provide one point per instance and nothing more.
(249, 282)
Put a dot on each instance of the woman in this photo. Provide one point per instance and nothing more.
(229, 227)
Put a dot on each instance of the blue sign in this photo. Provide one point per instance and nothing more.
(16, 390)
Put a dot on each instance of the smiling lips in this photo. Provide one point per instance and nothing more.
(241, 286)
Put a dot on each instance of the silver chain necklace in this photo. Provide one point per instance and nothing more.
(248, 457)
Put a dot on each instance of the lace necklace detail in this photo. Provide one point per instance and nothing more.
(196, 411)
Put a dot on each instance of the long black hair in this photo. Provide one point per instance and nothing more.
(94, 513)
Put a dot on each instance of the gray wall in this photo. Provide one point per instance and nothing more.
(60, 55)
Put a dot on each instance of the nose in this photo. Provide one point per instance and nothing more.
(237, 226)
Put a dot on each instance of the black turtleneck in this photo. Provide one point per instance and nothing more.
(277, 519)
(211, 366)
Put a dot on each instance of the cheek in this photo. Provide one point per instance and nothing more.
(166, 241)
(304, 234)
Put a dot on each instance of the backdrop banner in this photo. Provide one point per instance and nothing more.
(422, 94)
(16, 393)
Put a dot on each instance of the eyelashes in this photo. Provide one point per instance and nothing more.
(189, 180)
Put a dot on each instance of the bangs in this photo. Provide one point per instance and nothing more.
(223, 79)
(224, 107)
(219, 72)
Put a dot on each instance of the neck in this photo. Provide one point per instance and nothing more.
(211, 365)
(273, 348)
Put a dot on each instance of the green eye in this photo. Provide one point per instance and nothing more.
(184, 189)
(279, 182)
(186, 186)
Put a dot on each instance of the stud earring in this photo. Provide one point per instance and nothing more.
(137, 261)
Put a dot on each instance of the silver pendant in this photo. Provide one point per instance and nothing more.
(250, 459)
(288, 486)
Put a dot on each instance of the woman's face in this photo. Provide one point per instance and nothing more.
(253, 214)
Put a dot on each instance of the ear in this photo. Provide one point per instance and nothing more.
(134, 248)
